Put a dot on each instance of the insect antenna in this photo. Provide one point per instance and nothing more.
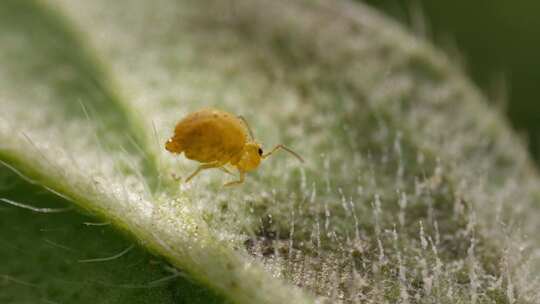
(284, 148)
(247, 126)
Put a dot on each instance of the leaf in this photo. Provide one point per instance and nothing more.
(413, 190)
(66, 256)
(55, 257)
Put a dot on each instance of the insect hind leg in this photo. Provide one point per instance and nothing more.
(203, 167)
(222, 168)
(214, 164)
(237, 182)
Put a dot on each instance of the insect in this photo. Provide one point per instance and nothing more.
(215, 139)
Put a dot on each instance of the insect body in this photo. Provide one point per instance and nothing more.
(216, 138)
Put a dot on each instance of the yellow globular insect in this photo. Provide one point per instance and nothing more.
(216, 138)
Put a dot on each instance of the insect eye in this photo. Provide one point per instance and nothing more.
(260, 151)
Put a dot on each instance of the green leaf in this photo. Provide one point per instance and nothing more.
(50, 257)
(59, 255)
(413, 189)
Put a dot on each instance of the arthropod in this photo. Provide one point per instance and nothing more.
(216, 139)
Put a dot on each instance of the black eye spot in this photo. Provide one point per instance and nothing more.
(260, 151)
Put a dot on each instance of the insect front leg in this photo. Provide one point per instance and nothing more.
(238, 182)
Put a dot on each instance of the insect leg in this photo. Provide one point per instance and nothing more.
(284, 148)
(238, 182)
(203, 167)
(247, 126)
(225, 170)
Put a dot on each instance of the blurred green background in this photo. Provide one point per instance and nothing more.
(499, 41)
